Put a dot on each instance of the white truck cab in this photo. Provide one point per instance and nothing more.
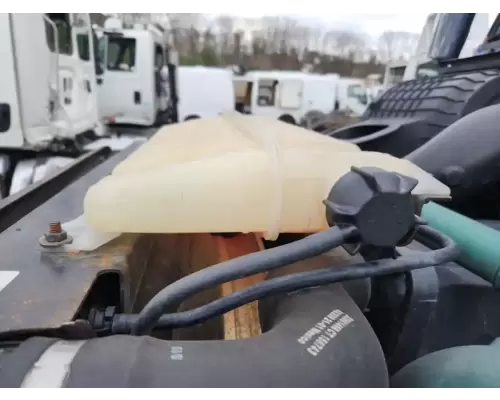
(352, 96)
(48, 79)
(287, 96)
(394, 73)
(131, 89)
(49, 89)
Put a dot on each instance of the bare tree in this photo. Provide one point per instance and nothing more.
(134, 18)
(316, 35)
(225, 25)
(301, 39)
(185, 31)
(98, 18)
(343, 43)
(274, 42)
(396, 44)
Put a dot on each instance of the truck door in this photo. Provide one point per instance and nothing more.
(290, 94)
(264, 98)
(11, 133)
(357, 99)
(87, 83)
(161, 95)
(319, 95)
(121, 97)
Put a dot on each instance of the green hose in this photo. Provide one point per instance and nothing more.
(479, 244)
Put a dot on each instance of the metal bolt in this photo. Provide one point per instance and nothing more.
(55, 227)
(55, 237)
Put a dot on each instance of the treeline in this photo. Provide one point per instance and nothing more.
(277, 43)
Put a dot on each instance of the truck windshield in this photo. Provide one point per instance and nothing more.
(395, 75)
(358, 92)
(121, 53)
(494, 33)
(450, 35)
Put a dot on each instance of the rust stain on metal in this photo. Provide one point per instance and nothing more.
(74, 253)
(106, 261)
(62, 306)
(109, 256)
(55, 227)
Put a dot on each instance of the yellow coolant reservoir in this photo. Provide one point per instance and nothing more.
(232, 173)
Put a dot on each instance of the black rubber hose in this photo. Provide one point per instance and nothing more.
(293, 282)
(238, 268)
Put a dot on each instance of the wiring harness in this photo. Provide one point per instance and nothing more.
(370, 211)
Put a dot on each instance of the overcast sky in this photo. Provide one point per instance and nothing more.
(373, 24)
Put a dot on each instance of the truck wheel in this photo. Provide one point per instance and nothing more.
(410, 114)
(162, 118)
(4, 190)
(440, 101)
(287, 119)
(312, 119)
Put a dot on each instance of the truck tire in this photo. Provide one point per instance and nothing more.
(312, 118)
(162, 118)
(408, 115)
(287, 118)
(440, 100)
(4, 189)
